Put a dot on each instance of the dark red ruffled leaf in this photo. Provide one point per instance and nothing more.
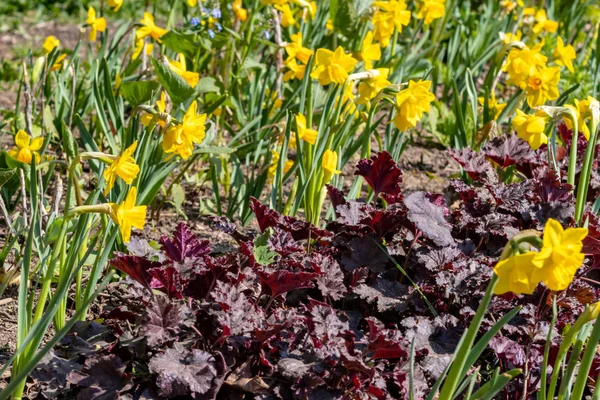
(136, 267)
(184, 244)
(381, 173)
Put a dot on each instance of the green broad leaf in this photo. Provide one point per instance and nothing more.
(178, 197)
(139, 92)
(262, 254)
(186, 43)
(346, 18)
(207, 85)
(5, 175)
(176, 86)
(252, 63)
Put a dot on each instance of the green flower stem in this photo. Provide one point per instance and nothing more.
(542, 392)
(562, 352)
(573, 153)
(586, 170)
(454, 375)
(586, 363)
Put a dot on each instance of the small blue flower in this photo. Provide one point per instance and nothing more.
(218, 26)
(211, 33)
(267, 35)
(216, 13)
(194, 21)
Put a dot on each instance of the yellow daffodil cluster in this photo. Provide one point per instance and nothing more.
(296, 53)
(390, 16)
(539, 21)
(411, 103)
(555, 264)
(527, 69)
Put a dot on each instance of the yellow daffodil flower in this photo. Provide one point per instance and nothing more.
(240, 12)
(411, 103)
(180, 139)
(115, 4)
(26, 148)
(307, 134)
(431, 10)
(274, 163)
(58, 63)
(509, 38)
(494, 106)
(295, 50)
(127, 215)
(287, 16)
(329, 25)
(560, 256)
(179, 67)
(295, 70)
(124, 167)
(50, 44)
(96, 24)
(369, 88)
(192, 3)
(543, 23)
(333, 66)
(564, 55)
(515, 274)
(542, 85)
(149, 28)
(583, 113)
(329, 165)
(370, 51)
(531, 128)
